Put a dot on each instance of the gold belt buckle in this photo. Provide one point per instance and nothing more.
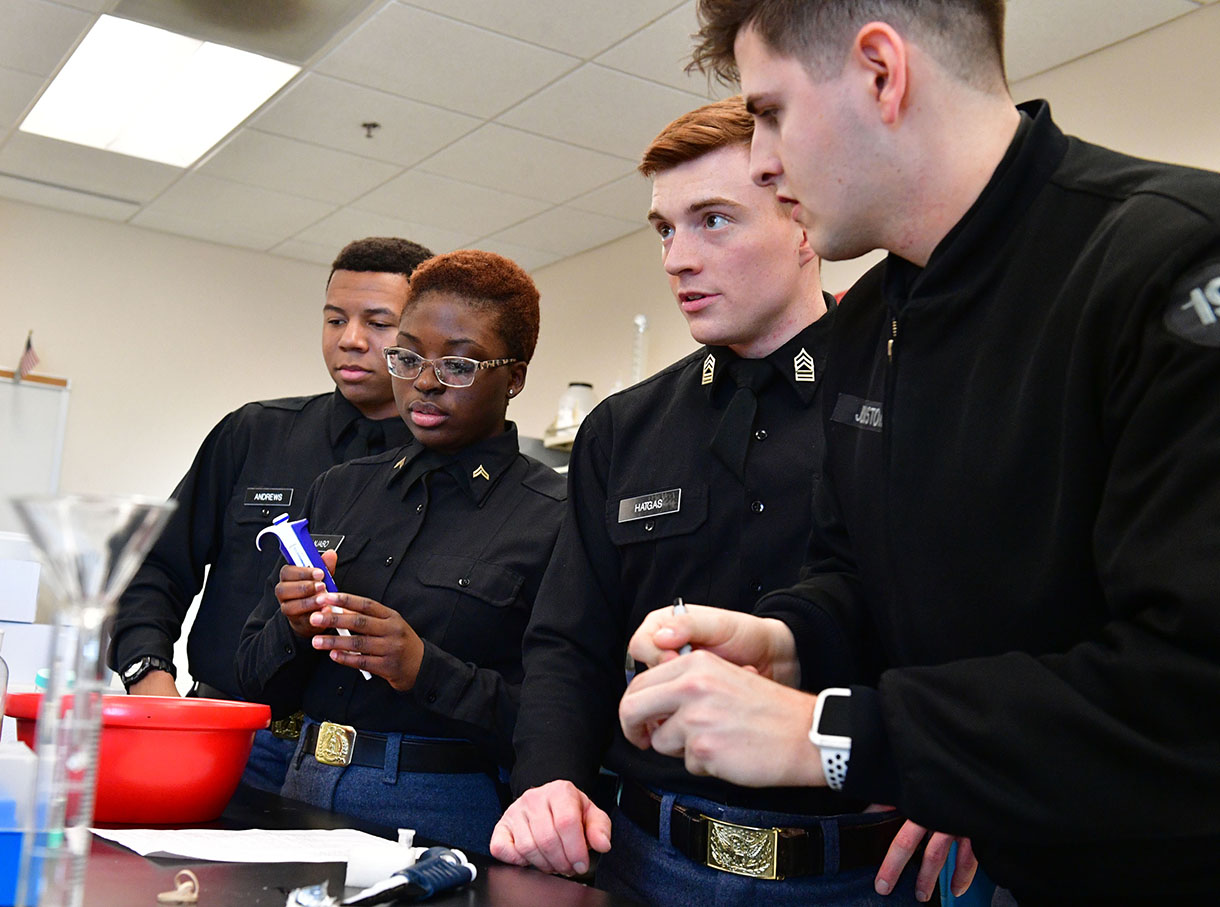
(335, 743)
(288, 728)
(742, 849)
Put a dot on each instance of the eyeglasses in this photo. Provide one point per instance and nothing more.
(452, 371)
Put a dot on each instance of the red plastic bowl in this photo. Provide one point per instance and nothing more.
(163, 760)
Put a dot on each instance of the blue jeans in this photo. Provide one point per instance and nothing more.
(652, 871)
(268, 762)
(457, 809)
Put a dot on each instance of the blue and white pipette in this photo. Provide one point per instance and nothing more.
(298, 549)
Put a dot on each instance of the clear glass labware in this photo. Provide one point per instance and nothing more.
(90, 546)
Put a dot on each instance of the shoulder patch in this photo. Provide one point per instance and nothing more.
(1193, 312)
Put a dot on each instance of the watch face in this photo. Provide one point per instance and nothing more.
(133, 669)
(836, 716)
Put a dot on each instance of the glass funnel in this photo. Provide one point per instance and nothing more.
(90, 546)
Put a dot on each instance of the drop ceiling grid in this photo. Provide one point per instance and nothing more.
(524, 142)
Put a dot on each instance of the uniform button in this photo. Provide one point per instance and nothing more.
(339, 691)
(419, 508)
(431, 697)
(756, 588)
(464, 582)
(649, 525)
(287, 650)
(757, 507)
(389, 560)
(761, 434)
(266, 512)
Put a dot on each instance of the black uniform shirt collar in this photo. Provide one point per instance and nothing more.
(476, 468)
(964, 259)
(344, 416)
(813, 339)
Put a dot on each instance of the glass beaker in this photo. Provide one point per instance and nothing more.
(90, 546)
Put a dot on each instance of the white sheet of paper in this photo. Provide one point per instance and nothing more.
(259, 845)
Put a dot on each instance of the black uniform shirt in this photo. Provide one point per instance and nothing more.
(1028, 478)
(458, 546)
(653, 513)
(257, 463)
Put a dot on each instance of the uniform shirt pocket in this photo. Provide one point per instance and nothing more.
(491, 583)
(691, 513)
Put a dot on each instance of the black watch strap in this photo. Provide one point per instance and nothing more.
(141, 667)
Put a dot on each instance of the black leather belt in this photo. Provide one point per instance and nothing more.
(765, 853)
(207, 691)
(284, 728)
(336, 744)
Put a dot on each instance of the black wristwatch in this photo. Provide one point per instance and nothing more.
(140, 668)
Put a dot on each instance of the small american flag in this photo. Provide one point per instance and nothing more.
(29, 359)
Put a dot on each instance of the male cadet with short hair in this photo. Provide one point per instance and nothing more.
(1021, 493)
(257, 463)
(694, 483)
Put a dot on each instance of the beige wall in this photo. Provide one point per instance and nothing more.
(162, 335)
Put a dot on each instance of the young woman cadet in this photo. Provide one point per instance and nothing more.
(437, 549)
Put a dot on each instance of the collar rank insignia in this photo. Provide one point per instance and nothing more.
(709, 369)
(400, 463)
(480, 472)
(802, 366)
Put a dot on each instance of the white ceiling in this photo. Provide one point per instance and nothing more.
(511, 125)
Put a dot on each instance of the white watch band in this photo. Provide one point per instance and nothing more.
(834, 749)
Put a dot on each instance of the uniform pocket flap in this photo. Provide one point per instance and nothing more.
(496, 585)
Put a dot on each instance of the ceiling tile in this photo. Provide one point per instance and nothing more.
(289, 31)
(554, 23)
(305, 251)
(451, 204)
(37, 35)
(93, 6)
(17, 91)
(640, 110)
(330, 112)
(297, 168)
(347, 224)
(248, 210)
(566, 231)
(210, 227)
(661, 51)
(24, 190)
(508, 159)
(77, 167)
(627, 198)
(529, 259)
(417, 54)
(1040, 34)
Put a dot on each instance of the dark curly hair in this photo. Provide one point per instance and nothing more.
(964, 36)
(383, 254)
(488, 282)
(699, 132)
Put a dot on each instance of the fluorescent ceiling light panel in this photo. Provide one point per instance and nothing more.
(153, 94)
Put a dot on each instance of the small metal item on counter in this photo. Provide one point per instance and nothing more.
(311, 896)
(438, 869)
(680, 608)
(298, 549)
(186, 890)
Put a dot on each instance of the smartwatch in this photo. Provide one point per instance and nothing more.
(831, 734)
(141, 667)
